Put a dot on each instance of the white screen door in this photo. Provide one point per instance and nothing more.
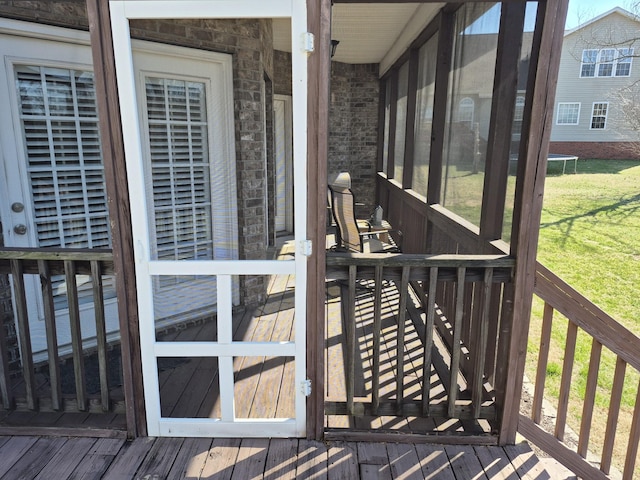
(179, 147)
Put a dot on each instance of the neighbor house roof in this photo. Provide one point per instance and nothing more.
(618, 10)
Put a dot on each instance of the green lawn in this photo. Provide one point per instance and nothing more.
(590, 234)
(590, 237)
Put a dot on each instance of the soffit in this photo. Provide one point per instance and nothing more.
(367, 32)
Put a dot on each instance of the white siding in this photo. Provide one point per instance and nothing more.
(587, 90)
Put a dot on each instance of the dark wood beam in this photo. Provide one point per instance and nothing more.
(393, 113)
(319, 71)
(443, 68)
(409, 144)
(501, 120)
(537, 124)
(119, 212)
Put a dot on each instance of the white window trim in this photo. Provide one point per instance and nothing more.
(614, 63)
(577, 122)
(606, 115)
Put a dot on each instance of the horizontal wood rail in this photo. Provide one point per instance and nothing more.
(28, 389)
(448, 301)
(583, 318)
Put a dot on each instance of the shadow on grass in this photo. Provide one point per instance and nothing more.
(566, 223)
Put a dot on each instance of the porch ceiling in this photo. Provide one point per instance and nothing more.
(368, 32)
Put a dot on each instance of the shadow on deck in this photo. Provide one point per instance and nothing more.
(198, 458)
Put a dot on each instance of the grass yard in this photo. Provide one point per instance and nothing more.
(590, 237)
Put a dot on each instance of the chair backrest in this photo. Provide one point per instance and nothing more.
(341, 179)
(342, 207)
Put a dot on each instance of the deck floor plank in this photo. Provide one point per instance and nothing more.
(312, 460)
(252, 458)
(76, 458)
(97, 460)
(13, 450)
(160, 458)
(281, 459)
(464, 462)
(404, 461)
(35, 458)
(66, 459)
(434, 462)
(527, 465)
(221, 459)
(190, 459)
(342, 461)
(129, 458)
(374, 461)
(496, 463)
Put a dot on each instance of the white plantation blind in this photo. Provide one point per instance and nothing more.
(180, 169)
(59, 120)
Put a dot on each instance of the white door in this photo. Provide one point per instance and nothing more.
(150, 196)
(51, 176)
(283, 164)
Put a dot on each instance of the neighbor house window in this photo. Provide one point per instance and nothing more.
(599, 115)
(607, 62)
(466, 109)
(568, 114)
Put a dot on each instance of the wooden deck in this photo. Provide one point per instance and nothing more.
(28, 458)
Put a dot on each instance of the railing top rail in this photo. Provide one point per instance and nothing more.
(419, 260)
(77, 254)
(589, 317)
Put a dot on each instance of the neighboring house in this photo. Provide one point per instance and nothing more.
(599, 61)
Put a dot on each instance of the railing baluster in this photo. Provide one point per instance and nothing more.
(101, 332)
(612, 417)
(481, 345)
(351, 338)
(565, 380)
(543, 358)
(455, 347)
(634, 439)
(52, 336)
(589, 398)
(6, 391)
(76, 334)
(377, 327)
(24, 337)
(402, 315)
(428, 340)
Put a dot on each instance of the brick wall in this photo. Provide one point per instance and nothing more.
(63, 13)
(353, 128)
(600, 150)
(353, 122)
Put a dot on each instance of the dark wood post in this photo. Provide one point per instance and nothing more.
(528, 201)
(319, 71)
(119, 211)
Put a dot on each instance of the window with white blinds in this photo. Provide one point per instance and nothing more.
(60, 124)
(180, 169)
(59, 119)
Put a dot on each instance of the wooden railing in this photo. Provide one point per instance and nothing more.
(27, 389)
(456, 296)
(584, 318)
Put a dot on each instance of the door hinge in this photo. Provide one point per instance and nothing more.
(306, 248)
(308, 42)
(305, 385)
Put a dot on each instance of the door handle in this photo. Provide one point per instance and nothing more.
(20, 229)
